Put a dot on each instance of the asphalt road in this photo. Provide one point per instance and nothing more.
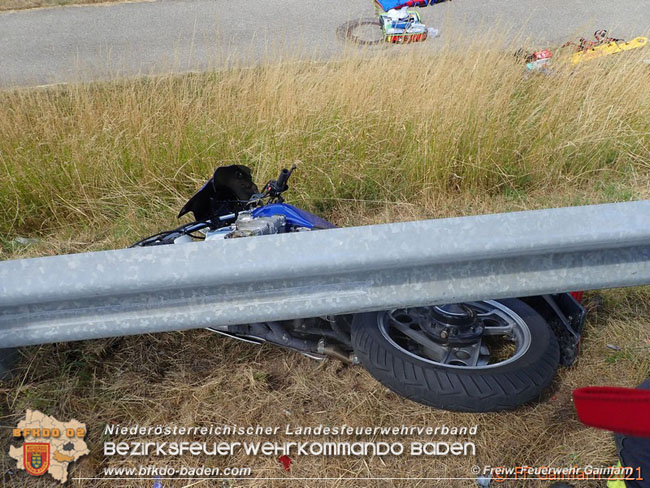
(76, 43)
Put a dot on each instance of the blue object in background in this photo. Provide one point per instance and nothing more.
(389, 4)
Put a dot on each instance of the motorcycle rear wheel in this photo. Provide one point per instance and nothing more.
(510, 364)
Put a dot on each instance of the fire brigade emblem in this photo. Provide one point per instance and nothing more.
(36, 457)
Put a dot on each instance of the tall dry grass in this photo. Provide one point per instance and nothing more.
(120, 157)
(380, 139)
(27, 4)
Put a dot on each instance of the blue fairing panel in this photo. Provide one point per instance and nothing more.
(386, 5)
(294, 215)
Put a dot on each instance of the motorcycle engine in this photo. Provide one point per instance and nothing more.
(246, 225)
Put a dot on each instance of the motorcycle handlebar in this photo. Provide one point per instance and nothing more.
(283, 178)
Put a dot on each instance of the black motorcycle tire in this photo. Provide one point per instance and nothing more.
(500, 387)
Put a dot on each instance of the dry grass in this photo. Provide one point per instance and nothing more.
(119, 158)
(197, 378)
(97, 166)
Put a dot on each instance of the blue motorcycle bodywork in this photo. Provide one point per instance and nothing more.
(295, 216)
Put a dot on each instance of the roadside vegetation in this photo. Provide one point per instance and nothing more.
(378, 139)
(27, 4)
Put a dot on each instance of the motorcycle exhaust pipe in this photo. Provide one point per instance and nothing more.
(336, 352)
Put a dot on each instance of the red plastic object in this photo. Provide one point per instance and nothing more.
(623, 410)
(578, 295)
(407, 38)
(285, 461)
(543, 54)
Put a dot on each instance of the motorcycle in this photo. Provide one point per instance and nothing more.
(478, 356)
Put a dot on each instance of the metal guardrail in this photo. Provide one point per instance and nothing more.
(307, 274)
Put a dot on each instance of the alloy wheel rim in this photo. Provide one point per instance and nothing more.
(503, 329)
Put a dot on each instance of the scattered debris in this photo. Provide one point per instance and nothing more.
(613, 347)
(25, 241)
(584, 49)
(285, 461)
(603, 45)
(538, 60)
(399, 24)
(402, 26)
(600, 37)
(387, 5)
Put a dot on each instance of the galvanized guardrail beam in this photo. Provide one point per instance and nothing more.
(307, 274)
